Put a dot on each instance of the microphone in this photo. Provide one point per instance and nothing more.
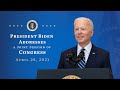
(80, 57)
(70, 56)
(70, 60)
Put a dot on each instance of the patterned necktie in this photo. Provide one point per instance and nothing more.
(81, 63)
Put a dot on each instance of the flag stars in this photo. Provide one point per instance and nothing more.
(42, 25)
(15, 25)
(9, 25)
(48, 25)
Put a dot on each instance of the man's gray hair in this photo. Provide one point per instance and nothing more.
(91, 23)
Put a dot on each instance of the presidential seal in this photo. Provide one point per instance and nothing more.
(32, 25)
(71, 77)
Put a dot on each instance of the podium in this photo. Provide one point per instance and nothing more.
(87, 73)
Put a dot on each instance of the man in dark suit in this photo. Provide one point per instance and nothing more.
(94, 57)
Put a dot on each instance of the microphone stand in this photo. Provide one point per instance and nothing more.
(74, 62)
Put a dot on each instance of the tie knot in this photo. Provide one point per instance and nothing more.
(82, 49)
(82, 53)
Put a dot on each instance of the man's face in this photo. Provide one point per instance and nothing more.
(83, 31)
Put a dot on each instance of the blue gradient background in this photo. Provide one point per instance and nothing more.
(106, 35)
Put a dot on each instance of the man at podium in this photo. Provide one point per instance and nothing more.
(85, 54)
(96, 61)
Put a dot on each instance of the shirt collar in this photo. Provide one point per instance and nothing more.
(87, 48)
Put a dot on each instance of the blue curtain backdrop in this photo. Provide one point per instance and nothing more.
(60, 25)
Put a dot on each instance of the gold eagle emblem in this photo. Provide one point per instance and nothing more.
(71, 77)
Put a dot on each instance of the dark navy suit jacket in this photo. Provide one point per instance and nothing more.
(98, 58)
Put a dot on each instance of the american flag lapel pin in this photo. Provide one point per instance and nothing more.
(93, 53)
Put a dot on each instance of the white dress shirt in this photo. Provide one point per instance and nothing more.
(87, 50)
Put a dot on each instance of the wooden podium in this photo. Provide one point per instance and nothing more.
(87, 73)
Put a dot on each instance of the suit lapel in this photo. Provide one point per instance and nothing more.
(92, 56)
